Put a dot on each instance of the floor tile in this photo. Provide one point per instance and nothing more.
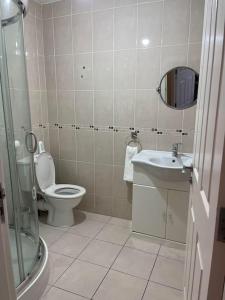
(70, 244)
(159, 292)
(172, 250)
(58, 294)
(168, 272)
(58, 264)
(114, 234)
(119, 286)
(135, 262)
(49, 234)
(48, 287)
(143, 243)
(81, 215)
(100, 253)
(82, 278)
(97, 217)
(43, 223)
(87, 228)
(121, 222)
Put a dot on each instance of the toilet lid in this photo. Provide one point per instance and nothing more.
(45, 170)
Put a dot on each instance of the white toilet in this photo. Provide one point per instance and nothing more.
(60, 199)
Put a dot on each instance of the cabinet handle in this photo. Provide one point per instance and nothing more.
(164, 216)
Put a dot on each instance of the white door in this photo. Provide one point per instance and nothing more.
(205, 261)
(7, 287)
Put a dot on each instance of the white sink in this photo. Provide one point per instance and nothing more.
(163, 160)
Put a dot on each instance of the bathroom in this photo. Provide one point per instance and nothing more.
(109, 180)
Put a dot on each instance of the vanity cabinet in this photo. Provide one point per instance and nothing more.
(160, 207)
(149, 211)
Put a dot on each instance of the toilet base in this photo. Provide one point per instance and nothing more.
(59, 218)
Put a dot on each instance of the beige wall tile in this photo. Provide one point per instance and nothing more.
(196, 22)
(165, 142)
(85, 176)
(81, 6)
(85, 146)
(125, 2)
(194, 56)
(103, 205)
(64, 72)
(173, 56)
(67, 172)
(48, 36)
(103, 70)
(103, 180)
(103, 4)
(52, 107)
(62, 35)
(189, 118)
(125, 69)
(83, 69)
(121, 189)
(176, 21)
(150, 19)
(103, 147)
(61, 8)
(47, 11)
(146, 109)
(148, 67)
(122, 208)
(54, 142)
(50, 72)
(82, 32)
(66, 107)
(103, 30)
(103, 108)
(67, 143)
(87, 202)
(124, 108)
(84, 108)
(125, 27)
(169, 118)
(121, 138)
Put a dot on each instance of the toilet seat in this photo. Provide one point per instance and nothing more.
(59, 199)
(65, 191)
(45, 173)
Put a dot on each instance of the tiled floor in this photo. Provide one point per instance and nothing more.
(100, 259)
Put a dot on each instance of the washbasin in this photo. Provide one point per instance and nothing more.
(163, 160)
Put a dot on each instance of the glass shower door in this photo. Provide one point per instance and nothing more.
(21, 144)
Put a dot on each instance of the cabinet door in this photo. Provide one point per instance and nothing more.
(177, 213)
(149, 210)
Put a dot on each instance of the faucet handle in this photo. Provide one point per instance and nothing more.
(175, 146)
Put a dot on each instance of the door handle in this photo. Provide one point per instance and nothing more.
(31, 148)
(2, 196)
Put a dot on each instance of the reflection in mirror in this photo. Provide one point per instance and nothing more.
(179, 88)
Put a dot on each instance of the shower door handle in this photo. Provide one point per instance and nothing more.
(31, 147)
(2, 196)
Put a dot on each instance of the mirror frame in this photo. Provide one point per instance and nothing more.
(159, 88)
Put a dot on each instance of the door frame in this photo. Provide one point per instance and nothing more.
(210, 284)
(7, 285)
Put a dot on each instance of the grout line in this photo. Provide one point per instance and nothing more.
(165, 285)
(72, 293)
(111, 266)
(109, 269)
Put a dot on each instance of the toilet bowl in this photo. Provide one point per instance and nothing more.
(60, 199)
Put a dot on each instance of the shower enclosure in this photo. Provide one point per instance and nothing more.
(18, 144)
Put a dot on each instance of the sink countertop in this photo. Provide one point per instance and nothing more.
(163, 159)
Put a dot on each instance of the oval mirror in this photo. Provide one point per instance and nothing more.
(178, 88)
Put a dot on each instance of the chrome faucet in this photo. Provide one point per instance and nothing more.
(175, 148)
